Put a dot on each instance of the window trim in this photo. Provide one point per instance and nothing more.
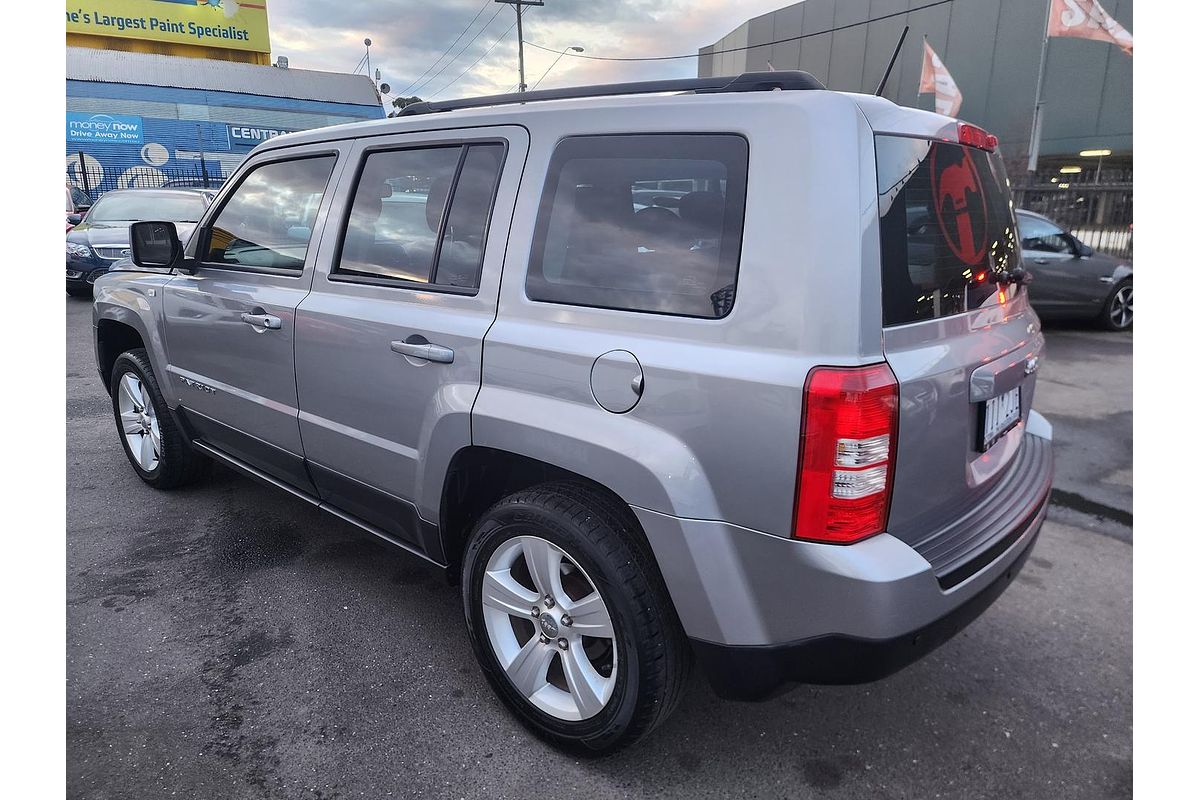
(204, 233)
(546, 204)
(464, 144)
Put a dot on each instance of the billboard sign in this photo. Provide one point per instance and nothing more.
(249, 136)
(233, 24)
(97, 128)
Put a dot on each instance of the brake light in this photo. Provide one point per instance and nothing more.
(975, 136)
(847, 453)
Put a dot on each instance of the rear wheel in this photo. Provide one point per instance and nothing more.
(1118, 309)
(154, 445)
(570, 620)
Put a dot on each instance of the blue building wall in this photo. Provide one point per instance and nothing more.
(146, 135)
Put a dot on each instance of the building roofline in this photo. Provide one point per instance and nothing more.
(149, 69)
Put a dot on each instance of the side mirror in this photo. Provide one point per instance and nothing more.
(155, 244)
(1081, 249)
(74, 219)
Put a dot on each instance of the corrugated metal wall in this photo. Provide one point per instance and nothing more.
(991, 47)
(180, 124)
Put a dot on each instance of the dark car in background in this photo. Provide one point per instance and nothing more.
(1071, 279)
(102, 238)
(77, 204)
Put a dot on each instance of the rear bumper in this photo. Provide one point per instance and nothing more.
(757, 673)
(764, 611)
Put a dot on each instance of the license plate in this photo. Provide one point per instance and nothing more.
(1000, 414)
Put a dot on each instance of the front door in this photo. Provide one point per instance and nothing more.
(1049, 253)
(389, 344)
(230, 327)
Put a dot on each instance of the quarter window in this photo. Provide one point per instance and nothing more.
(267, 222)
(642, 223)
(421, 215)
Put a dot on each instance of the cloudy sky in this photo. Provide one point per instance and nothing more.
(409, 36)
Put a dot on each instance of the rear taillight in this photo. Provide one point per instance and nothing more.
(976, 136)
(847, 453)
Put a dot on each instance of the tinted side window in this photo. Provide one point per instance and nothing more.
(650, 222)
(461, 253)
(399, 227)
(1039, 235)
(268, 220)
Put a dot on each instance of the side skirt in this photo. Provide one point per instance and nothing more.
(256, 474)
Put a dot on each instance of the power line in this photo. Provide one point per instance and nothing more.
(748, 47)
(465, 48)
(476, 61)
(486, 3)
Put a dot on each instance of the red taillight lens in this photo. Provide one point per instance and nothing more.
(847, 453)
(975, 136)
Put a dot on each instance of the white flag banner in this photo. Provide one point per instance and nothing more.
(936, 78)
(1085, 19)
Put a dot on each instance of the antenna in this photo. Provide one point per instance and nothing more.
(887, 72)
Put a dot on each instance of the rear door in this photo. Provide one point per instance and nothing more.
(963, 347)
(230, 327)
(389, 344)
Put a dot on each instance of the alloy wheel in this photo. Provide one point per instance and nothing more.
(139, 423)
(1120, 311)
(549, 628)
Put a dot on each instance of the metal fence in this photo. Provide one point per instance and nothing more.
(1099, 215)
(89, 176)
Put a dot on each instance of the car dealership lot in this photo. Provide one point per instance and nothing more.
(230, 641)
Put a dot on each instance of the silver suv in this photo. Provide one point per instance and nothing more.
(735, 372)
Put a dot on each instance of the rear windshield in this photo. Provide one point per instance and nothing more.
(945, 220)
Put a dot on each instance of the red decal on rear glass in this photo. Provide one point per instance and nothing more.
(959, 202)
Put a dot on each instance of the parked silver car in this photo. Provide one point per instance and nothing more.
(1072, 279)
(659, 373)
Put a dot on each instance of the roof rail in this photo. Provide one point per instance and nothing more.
(782, 80)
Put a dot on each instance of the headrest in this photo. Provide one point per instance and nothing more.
(703, 210)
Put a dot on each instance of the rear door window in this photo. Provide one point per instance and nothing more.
(648, 223)
(946, 220)
(420, 215)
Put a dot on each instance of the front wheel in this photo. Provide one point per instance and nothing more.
(153, 443)
(570, 620)
(1118, 309)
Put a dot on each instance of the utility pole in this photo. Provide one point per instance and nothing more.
(521, 36)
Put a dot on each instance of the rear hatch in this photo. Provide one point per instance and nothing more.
(963, 346)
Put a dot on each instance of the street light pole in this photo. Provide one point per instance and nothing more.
(521, 36)
(575, 48)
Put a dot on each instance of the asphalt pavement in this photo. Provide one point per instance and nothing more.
(228, 641)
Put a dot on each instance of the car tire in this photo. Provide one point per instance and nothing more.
(145, 426)
(600, 544)
(79, 291)
(1118, 307)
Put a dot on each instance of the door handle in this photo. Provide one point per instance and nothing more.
(265, 321)
(417, 346)
(1041, 261)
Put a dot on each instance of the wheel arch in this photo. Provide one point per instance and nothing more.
(114, 337)
(479, 476)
